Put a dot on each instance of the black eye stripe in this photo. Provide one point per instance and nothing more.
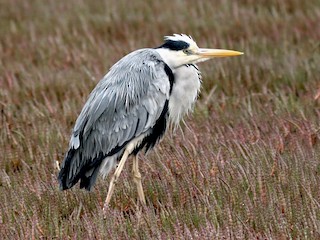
(175, 45)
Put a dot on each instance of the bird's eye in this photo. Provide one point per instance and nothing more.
(187, 51)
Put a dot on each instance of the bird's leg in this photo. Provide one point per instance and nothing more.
(137, 180)
(115, 178)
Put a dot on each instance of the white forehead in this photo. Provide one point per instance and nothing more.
(182, 37)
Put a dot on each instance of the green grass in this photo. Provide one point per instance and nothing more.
(247, 165)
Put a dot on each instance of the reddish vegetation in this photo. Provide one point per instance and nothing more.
(246, 165)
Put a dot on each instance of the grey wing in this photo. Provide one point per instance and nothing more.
(125, 104)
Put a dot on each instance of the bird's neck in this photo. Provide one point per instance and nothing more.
(170, 57)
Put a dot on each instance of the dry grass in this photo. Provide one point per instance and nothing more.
(248, 163)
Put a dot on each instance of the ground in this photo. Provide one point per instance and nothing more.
(246, 165)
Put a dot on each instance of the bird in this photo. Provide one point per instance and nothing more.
(130, 109)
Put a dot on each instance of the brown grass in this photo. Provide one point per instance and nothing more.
(247, 165)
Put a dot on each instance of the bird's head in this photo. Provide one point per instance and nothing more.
(181, 49)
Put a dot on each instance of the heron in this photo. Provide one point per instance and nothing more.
(130, 109)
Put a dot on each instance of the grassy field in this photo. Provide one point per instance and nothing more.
(245, 166)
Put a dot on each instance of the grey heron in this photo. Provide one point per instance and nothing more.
(130, 109)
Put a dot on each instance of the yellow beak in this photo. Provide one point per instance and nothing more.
(211, 53)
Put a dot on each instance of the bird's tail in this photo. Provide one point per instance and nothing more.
(66, 176)
(74, 168)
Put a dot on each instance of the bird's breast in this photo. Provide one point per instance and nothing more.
(187, 81)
